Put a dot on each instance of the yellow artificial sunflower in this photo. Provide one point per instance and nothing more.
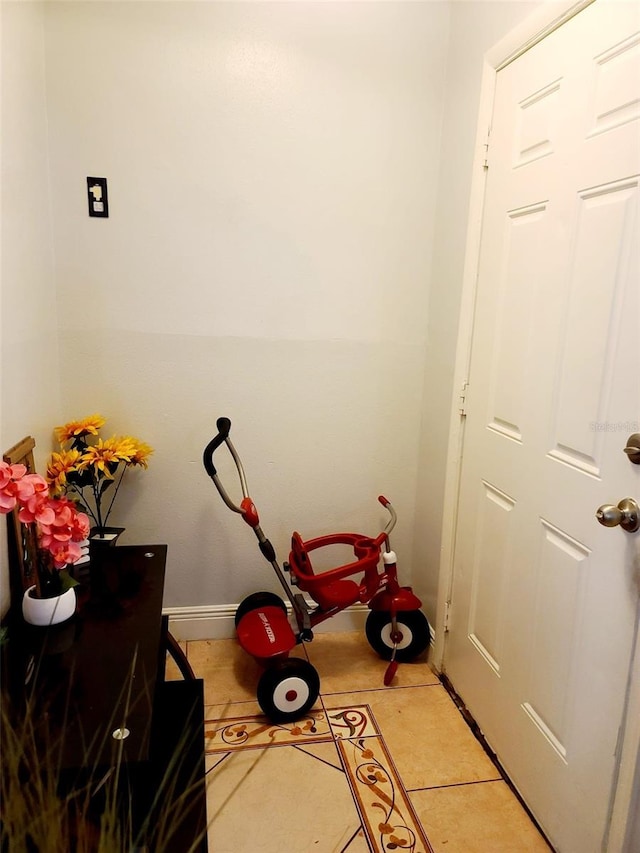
(78, 429)
(59, 466)
(123, 445)
(105, 455)
(92, 466)
(141, 454)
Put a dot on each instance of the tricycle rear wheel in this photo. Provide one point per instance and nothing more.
(257, 600)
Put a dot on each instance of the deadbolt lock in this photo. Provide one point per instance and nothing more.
(626, 514)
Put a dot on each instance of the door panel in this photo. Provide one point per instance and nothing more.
(605, 219)
(490, 572)
(545, 600)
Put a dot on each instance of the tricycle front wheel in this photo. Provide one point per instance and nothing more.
(413, 627)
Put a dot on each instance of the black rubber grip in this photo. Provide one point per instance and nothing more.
(268, 550)
(224, 427)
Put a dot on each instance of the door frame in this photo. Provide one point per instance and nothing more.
(529, 32)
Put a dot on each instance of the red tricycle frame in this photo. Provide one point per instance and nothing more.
(396, 628)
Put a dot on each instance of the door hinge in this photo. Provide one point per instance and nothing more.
(462, 400)
(485, 161)
(447, 611)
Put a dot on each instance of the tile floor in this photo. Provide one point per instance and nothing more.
(371, 768)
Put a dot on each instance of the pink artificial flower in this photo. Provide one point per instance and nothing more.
(10, 472)
(60, 527)
(30, 485)
(61, 535)
(10, 477)
(81, 527)
(64, 552)
(35, 504)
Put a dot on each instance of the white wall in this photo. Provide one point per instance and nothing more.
(272, 177)
(30, 379)
(276, 186)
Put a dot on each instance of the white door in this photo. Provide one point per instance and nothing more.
(545, 599)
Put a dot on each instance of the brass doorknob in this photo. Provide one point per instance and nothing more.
(626, 514)
(633, 448)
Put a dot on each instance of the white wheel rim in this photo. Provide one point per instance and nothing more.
(291, 694)
(407, 636)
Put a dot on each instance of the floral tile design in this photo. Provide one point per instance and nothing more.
(430, 742)
(387, 813)
(388, 819)
(244, 732)
(354, 721)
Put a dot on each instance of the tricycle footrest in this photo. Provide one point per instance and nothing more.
(266, 633)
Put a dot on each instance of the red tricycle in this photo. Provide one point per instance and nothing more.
(396, 628)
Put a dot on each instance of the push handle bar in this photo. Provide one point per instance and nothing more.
(392, 519)
(224, 427)
(222, 437)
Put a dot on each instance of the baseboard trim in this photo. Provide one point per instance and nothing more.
(216, 622)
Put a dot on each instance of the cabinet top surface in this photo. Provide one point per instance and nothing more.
(96, 674)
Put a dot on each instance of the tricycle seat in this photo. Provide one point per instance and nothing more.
(330, 588)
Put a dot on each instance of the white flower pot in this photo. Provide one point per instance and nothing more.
(48, 611)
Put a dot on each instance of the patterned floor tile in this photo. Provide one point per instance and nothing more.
(229, 673)
(357, 844)
(346, 663)
(244, 732)
(430, 742)
(289, 799)
(388, 816)
(353, 721)
(332, 785)
(476, 818)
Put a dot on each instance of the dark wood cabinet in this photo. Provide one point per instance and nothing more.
(96, 691)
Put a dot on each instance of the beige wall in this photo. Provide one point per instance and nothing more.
(289, 188)
(30, 396)
(272, 176)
